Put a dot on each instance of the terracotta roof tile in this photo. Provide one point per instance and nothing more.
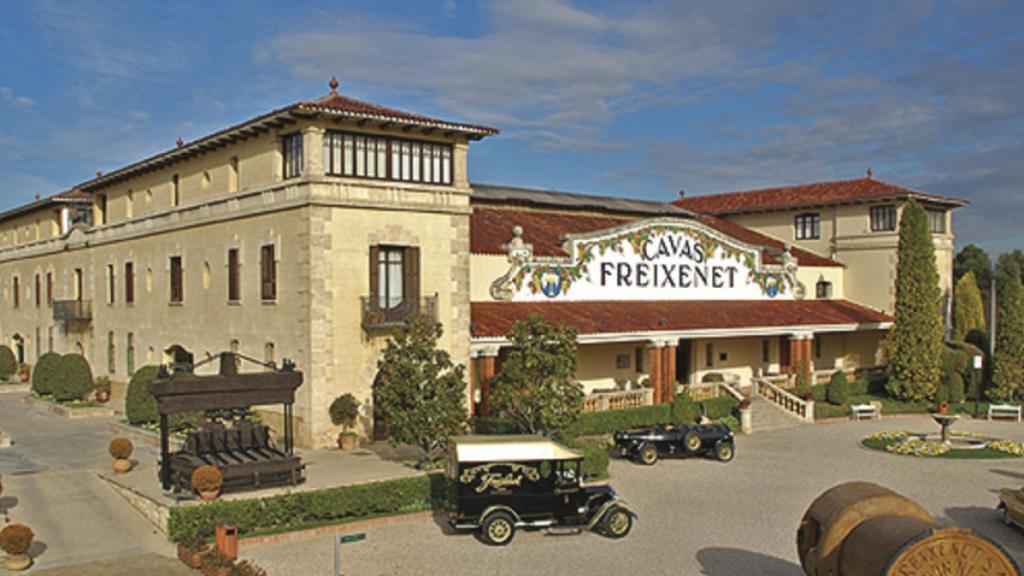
(337, 103)
(805, 196)
(491, 228)
(495, 319)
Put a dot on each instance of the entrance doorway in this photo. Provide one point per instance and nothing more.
(684, 352)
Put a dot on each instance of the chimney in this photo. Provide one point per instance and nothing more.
(870, 173)
(682, 193)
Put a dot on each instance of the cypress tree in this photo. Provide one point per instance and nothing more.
(1008, 362)
(914, 345)
(968, 310)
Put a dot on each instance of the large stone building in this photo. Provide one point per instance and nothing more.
(309, 231)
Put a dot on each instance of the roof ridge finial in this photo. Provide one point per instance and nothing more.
(870, 173)
(334, 85)
(180, 142)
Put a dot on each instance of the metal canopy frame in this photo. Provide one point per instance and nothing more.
(184, 391)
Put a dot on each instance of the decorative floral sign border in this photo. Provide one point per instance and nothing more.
(588, 250)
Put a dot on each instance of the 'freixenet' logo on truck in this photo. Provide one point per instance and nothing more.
(498, 481)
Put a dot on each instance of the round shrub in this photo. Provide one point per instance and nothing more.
(139, 404)
(207, 479)
(838, 389)
(16, 539)
(120, 448)
(344, 410)
(46, 374)
(8, 363)
(74, 378)
(684, 409)
(956, 388)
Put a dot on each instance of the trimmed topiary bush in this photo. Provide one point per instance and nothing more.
(344, 411)
(139, 404)
(8, 363)
(120, 448)
(74, 380)
(838, 389)
(956, 388)
(16, 539)
(684, 409)
(207, 479)
(46, 374)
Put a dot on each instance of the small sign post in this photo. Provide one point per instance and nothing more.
(340, 539)
(978, 360)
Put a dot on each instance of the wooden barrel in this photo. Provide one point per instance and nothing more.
(862, 529)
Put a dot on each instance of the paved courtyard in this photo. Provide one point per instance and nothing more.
(696, 516)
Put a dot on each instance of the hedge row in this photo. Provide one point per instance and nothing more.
(595, 457)
(295, 510)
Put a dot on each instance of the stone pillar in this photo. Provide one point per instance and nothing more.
(485, 373)
(654, 367)
(669, 352)
(746, 418)
(312, 151)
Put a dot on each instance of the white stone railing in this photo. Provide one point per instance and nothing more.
(783, 399)
(732, 391)
(602, 401)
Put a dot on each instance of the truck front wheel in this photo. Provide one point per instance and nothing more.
(617, 522)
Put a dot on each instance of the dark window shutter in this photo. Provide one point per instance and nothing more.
(374, 276)
(412, 275)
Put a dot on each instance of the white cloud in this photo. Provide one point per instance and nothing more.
(8, 95)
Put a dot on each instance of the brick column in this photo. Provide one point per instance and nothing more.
(485, 373)
(670, 373)
(655, 369)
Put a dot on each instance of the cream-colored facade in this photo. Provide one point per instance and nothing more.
(68, 263)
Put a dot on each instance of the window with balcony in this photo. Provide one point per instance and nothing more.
(268, 273)
(387, 158)
(883, 218)
(177, 280)
(395, 286)
(808, 226)
(292, 153)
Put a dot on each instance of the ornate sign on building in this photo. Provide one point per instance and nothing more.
(660, 259)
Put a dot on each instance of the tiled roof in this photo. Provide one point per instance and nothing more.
(807, 195)
(73, 195)
(491, 228)
(537, 198)
(335, 102)
(495, 319)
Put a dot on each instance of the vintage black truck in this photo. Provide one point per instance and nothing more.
(650, 444)
(501, 483)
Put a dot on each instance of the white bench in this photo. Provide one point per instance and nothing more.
(865, 411)
(1008, 410)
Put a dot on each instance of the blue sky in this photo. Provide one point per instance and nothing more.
(635, 99)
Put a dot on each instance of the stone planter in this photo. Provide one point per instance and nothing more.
(17, 562)
(122, 465)
(348, 441)
(209, 496)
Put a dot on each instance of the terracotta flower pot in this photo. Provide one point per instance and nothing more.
(17, 562)
(944, 408)
(122, 465)
(103, 396)
(348, 442)
(209, 495)
(23, 377)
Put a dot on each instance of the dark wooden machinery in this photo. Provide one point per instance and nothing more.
(240, 448)
(863, 529)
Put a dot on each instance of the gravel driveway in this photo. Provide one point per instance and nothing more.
(696, 516)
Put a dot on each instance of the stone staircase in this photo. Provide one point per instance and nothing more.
(767, 416)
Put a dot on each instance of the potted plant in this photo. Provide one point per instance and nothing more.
(24, 371)
(15, 540)
(121, 449)
(207, 482)
(213, 563)
(102, 387)
(191, 549)
(344, 411)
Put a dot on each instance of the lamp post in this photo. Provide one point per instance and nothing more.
(978, 359)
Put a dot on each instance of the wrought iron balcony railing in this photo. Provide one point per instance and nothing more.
(72, 310)
(378, 318)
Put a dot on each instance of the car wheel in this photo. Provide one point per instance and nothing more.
(1006, 514)
(498, 528)
(724, 451)
(692, 441)
(648, 455)
(616, 522)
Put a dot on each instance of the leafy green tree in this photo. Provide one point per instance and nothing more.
(968, 309)
(419, 391)
(1008, 362)
(1018, 257)
(914, 344)
(971, 258)
(536, 386)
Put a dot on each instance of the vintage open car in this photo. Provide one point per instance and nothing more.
(501, 483)
(1011, 505)
(650, 444)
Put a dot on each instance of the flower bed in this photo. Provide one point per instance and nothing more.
(903, 443)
